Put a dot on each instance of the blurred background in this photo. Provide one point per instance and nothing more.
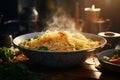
(40, 15)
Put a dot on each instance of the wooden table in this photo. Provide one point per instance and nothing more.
(89, 70)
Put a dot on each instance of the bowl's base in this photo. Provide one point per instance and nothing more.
(38, 67)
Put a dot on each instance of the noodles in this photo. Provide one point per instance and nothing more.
(60, 41)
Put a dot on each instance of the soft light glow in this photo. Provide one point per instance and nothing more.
(92, 8)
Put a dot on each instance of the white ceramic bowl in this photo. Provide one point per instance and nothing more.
(105, 64)
(57, 59)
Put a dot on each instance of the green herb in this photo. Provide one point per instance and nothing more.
(36, 36)
(43, 48)
(29, 39)
(77, 48)
(90, 40)
(116, 52)
(10, 70)
(6, 54)
(105, 58)
(21, 45)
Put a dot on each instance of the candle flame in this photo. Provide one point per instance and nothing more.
(93, 7)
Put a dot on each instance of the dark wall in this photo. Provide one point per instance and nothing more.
(109, 9)
(9, 9)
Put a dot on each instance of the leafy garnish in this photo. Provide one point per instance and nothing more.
(105, 58)
(116, 52)
(6, 54)
(77, 48)
(10, 70)
(43, 48)
(90, 40)
(21, 45)
(36, 36)
(29, 39)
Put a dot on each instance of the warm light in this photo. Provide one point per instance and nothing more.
(92, 8)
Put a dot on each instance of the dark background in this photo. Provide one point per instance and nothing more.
(9, 9)
(109, 9)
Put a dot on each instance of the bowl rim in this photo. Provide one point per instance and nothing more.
(83, 50)
(116, 35)
(106, 62)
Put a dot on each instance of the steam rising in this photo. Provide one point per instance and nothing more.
(61, 21)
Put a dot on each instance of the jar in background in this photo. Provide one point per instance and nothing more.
(28, 15)
(6, 40)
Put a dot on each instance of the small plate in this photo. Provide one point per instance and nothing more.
(105, 64)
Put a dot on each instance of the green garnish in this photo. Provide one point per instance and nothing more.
(16, 70)
(105, 58)
(21, 45)
(90, 40)
(36, 36)
(43, 48)
(29, 39)
(32, 38)
(77, 48)
(6, 54)
(116, 52)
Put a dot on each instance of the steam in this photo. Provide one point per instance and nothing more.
(61, 21)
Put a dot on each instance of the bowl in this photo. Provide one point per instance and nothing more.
(57, 59)
(112, 39)
(105, 64)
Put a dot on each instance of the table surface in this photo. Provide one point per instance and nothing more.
(89, 70)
